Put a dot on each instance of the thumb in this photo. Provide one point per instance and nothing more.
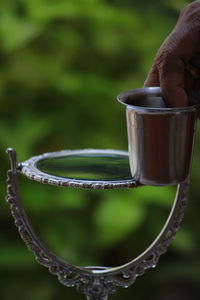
(152, 78)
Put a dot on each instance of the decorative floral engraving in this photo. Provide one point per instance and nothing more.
(96, 285)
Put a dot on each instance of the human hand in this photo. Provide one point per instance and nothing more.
(176, 64)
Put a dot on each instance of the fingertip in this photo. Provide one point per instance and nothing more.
(175, 97)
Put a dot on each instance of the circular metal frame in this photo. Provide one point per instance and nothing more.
(30, 170)
(95, 282)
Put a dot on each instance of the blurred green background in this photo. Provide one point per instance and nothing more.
(62, 64)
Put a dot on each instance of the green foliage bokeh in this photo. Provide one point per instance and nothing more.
(62, 64)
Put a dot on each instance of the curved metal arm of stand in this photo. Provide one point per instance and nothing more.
(95, 282)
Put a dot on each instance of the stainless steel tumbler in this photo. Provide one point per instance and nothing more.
(160, 139)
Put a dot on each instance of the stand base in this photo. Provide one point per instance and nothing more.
(95, 298)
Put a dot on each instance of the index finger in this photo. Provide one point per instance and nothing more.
(171, 76)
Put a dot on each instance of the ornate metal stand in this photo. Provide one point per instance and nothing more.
(95, 282)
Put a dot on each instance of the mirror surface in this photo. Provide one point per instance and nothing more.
(88, 166)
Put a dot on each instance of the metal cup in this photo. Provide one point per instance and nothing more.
(160, 139)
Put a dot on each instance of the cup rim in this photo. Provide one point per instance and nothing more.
(151, 91)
